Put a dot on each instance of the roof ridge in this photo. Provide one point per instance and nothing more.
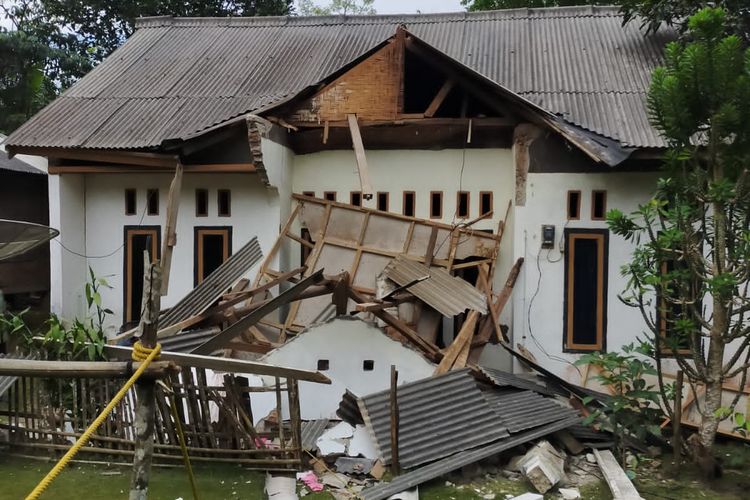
(521, 13)
(557, 92)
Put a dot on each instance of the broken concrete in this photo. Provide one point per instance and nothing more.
(543, 466)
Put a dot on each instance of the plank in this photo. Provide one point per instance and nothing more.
(170, 234)
(619, 483)
(456, 348)
(439, 98)
(359, 151)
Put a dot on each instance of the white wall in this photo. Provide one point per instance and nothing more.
(67, 270)
(541, 331)
(254, 213)
(346, 343)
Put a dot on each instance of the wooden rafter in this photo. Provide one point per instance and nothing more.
(439, 98)
(359, 151)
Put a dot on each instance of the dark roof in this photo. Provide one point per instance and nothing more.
(16, 165)
(176, 77)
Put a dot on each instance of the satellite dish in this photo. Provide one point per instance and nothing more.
(17, 237)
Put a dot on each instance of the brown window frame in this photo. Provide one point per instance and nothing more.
(440, 211)
(602, 237)
(458, 204)
(198, 233)
(311, 194)
(491, 195)
(134, 192)
(197, 204)
(578, 205)
(150, 195)
(352, 194)
(593, 204)
(387, 200)
(326, 195)
(128, 233)
(661, 321)
(414, 203)
(228, 194)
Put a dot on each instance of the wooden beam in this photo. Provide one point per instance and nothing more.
(437, 101)
(224, 364)
(220, 340)
(619, 483)
(359, 151)
(100, 155)
(170, 236)
(457, 346)
(82, 369)
(228, 168)
(414, 119)
(499, 305)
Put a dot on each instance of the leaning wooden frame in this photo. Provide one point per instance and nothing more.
(361, 242)
(44, 416)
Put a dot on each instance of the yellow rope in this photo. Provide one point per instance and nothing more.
(183, 445)
(140, 353)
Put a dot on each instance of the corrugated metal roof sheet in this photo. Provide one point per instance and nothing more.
(16, 165)
(441, 467)
(215, 284)
(7, 381)
(187, 341)
(311, 431)
(448, 294)
(500, 378)
(438, 416)
(577, 62)
(521, 410)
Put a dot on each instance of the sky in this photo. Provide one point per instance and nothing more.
(411, 6)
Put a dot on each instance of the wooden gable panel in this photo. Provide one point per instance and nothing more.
(371, 90)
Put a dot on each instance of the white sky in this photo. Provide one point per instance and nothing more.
(411, 6)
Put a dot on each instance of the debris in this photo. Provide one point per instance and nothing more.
(319, 466)
(619, 483)
(377, 470)
(280, 488)
(528, 496)
(330, 447)
(543, 466)
(590, 458)
(310, 480)
(354, 465)
(569, 493)
(339, 431)
(335, 480)
(489, 496)
(361, 444)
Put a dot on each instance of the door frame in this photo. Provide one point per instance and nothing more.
(127, 270)
(198, 232)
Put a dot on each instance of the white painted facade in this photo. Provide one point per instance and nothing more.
(346, 343)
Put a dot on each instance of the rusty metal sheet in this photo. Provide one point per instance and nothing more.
(448, 294)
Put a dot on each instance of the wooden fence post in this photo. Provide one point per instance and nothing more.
(395, 466)
(145, 390)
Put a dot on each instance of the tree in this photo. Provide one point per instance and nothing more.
(475, 5)
(690, 270)
(654, 13)
(345, 7)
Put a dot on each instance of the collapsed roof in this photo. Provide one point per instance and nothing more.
(177, 77)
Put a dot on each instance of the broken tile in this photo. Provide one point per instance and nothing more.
(361, 444)
(354, 465)
(335, 480)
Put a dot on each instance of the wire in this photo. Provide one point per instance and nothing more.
(110, 254)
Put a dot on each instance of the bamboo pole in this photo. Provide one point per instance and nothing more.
(677, 422)
(78, 369)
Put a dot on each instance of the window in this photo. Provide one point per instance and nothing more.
(409, 202)
(485, 202)
(329, 195)
(574, 205)
(137, 240)
(224, 198)
(668, 312)
(368, 365)
(131, 207)
(383, 201)
(462, 204)
(355, 198)
(311, 194)
(323, 365)
(152, 202)
(212, 248)
(436, 204)
(598, 205)
(585, 312)
(201, 202)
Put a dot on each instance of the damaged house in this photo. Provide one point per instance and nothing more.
(366, 147)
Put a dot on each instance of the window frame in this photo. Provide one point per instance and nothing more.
(151, 194)
(491, 195)
(352, 194)
(595, 192)
(578, 205)
(327, 193)
(228, 194)
(661, 322)
(198, 191)
(198, 233)
(127, 193)
(387, 200)
(458, 204)
(440, 211)
(601, 235)
(413, 206)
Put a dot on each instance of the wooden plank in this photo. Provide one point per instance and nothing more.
(454, 350)
(439, 98)
(619, 484)
(221, 364)
(170, 233)
(220, 340)
(79, 369)
(359, 151)
(395, 464)
(502, 300)
(106, 156)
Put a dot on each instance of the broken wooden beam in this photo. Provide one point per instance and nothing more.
(619, 483)
(439, 98)
(170, 233)
(82, 369)
(462, 340)
(359, 151)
